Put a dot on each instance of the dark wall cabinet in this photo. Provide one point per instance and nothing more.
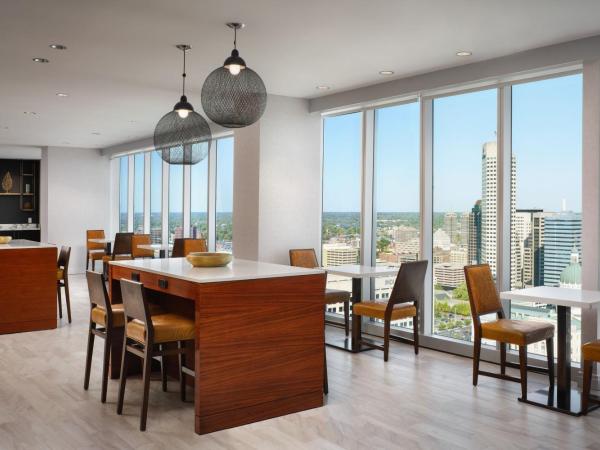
(19, 191)
(30, 235)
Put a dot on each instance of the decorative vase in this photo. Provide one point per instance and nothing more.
(7, 182)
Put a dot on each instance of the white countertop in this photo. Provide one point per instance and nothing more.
(19, 226)
(554, 296)
(24, 243)
(155, 246)
(236, 270)
(358, 271)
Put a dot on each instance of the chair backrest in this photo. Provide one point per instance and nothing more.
(97, 291)
(304, 257)
(94, 234)
(63, 258)
(483, 296)
(141, 239)
(184, 246)
(135, 304)
(409, 283)
(122, 244)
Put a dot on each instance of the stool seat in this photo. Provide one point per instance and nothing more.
(167, 328)
(591, 351)
(336, 296)
(99, 316)
(377, 310)
(517, 332)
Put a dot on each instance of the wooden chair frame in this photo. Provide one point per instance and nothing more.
(63, 263)
(91, 247)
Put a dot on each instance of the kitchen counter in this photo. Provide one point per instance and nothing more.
(19, 226)
(24, 243)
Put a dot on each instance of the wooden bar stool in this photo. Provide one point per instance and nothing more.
(590, 354)
(184, 246)
(145, 336)
(484, 299)
(105, 318)
(141, 239)
(62, 279)
(121, 250)
(402, 303)
(307, 258)
(95, 251)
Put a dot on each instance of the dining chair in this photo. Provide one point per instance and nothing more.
(62, 280)
(590, 353)
(307, 258)
(146, 336)
(484, 300)
(403, 303)
(184, 246)
(141, 239)
(121, 250)
(95, 251)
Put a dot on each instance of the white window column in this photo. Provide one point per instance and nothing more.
(147, 163)
(130, 187)
(187, 204)
(211, 218)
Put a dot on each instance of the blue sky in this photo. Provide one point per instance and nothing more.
(546, 144)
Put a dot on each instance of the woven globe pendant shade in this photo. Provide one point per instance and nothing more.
(182, 140)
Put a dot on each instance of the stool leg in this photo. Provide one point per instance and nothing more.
(88, 356)
(146, 382)
(59, 301)
(386, 339)
(68, 299)
(105, 362)
(181, 346)
(587, 385)
(325, 377)
(163, 369)
(502, 358)
(347, 317)
(93, 265)
(123, 377)
(550, 353)
(416, 332)
(476, 355)
(523, 367)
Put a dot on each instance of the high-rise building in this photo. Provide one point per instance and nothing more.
(527, 260)
(451, 226)
(441, 240)
(474, 241)
(562, 233)
(339, 254)
(448, 275)
(156, 235)
(464, 224)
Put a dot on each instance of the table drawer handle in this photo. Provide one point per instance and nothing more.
(135, 276)
(163, 284)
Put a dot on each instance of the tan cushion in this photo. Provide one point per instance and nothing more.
(336, 296)
(107, 258)
(517, 332)
(99, 315)
(96, 254)
(377, 310)
(167, 328)
(591, 351)
(60, 273)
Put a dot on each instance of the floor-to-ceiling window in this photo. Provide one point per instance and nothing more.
(175, 202)
(199, 199)
(123, 192)
(396, 192)
(138, 193)
(342, 159)
(546, 187)
(156, 196)
(224, 193)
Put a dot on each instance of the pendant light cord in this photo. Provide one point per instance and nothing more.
(183, 74)
(235, 38)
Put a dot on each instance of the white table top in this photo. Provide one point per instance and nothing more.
(236, 270)
(358, 271)
(24, 243)
(554, 296)
(100, 240)
(155, 246)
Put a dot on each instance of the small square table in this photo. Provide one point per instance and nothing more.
(357, 272)
(565, 399)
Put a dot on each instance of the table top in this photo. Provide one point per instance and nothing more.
(24, 243)
(100, 240)
(236, 270)
(554, 296)
(358, 271)
(155, 246)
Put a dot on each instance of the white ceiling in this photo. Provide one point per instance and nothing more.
(122, 72)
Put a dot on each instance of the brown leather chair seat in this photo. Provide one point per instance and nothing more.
(167, 328)
(99, 315)
(377, 310)
(107, 258)
(336, 296)
(591, 351)
(517, 332)
(60, 274)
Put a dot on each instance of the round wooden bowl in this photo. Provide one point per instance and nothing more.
(5, 239)
(208, 259)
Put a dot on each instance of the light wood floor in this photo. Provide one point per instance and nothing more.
(423, 402)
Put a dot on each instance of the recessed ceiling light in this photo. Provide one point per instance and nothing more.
(41, 60)
(464, 53)
(62, 94)
(386, 72)
(323, 87)
(95, 133)
(58, 46)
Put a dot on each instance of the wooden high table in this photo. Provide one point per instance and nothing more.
(259, 347)
(565, 399)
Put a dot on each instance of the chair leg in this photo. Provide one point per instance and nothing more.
(587, 385)
(105, 362)
(550, 353)
(182, 379)
(59, 301)
(325, 377)
(523, 368)
(386, 339)
(416, 333)
(68, 299)
(88, 358)
(503, 358)
(146, 383)
(163, 369)
(123, 377)
(87, 262)
(347, 317)
(476, 356)
(93, 265)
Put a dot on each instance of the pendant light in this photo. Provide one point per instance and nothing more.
(182, 136)
(233, 95)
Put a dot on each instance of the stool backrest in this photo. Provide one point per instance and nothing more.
(97, 291)
(409, 283)
(94, 234)
(122, 244)
(134, 302)
(63, 259)
(141, 239)
(483, 296)
(304, 257)
(184, 246)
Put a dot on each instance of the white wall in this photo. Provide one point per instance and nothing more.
(75, 197)
(278, 182)
(20, 152)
